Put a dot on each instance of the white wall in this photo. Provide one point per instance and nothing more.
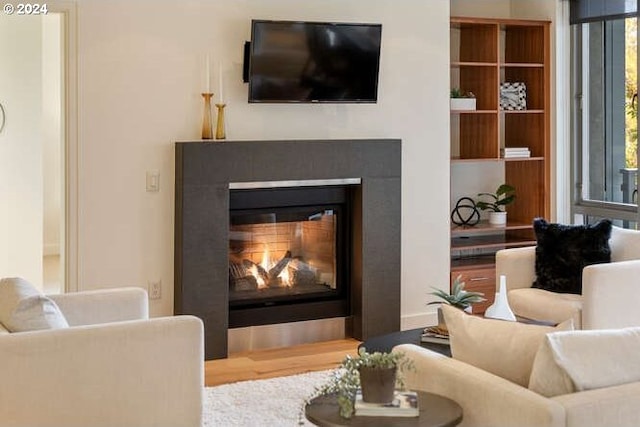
(20, 148)
(140, 78)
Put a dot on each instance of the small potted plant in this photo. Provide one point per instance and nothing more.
(459, 297)
(370, 372)
(504, 195)
(461, 100)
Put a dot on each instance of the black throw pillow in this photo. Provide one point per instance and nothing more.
(564, 250)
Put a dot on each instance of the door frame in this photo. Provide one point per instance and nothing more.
(69, 237)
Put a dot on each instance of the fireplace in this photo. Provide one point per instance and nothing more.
(289, 253)
(218, 243)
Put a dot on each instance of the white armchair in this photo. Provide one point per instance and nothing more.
(607, 289)
(112, 367)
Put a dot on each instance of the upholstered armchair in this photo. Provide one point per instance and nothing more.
(609, 291)
(113, 366)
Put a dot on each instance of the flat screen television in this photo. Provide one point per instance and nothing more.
(314, 62)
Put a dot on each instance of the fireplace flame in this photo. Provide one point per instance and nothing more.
(255, 273)
(285, 278)
(266, 259)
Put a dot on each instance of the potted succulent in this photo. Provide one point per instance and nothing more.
(504, 195)
(377, 374)
(461, 100)
(459, 297)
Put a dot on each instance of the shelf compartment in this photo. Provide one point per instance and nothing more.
(524, 43)
(473, 64)
(525, 130)
(489, 241)
(533, 78)
(528, 178)
(475, 41)
(482, 81)
(478, 136)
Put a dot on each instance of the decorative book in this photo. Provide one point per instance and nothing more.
(434, 338)
(404, 404)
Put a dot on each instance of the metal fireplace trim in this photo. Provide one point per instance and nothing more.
(294, 183)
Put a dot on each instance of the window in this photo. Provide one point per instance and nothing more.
(605, 122)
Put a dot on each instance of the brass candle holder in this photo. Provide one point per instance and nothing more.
(220, 134)
(207, 131)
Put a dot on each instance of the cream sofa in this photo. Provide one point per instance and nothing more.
(112, 367)
(488, 400)
(511, 374)
(606, 288)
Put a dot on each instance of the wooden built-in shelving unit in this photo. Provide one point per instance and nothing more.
(484, 54)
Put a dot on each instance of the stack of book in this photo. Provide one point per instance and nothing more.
(434, 334)
(405, 404)
(515, 152)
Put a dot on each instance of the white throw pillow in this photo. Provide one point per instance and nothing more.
(547, 378)
(589, 359)
(504, 348)
(24, 308)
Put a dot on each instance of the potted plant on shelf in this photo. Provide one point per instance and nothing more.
(504, 195)
(376, 374)
(461, 100)
(459, 297)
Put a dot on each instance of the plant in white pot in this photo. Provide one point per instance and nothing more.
(504, 195)
(461, 100)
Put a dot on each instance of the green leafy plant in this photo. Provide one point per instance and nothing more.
(504, 195)
(458, 297)
(459, 93)
(345, 380)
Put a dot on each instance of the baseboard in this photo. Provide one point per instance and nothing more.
(420, 320)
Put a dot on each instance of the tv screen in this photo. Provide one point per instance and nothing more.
(314, 62)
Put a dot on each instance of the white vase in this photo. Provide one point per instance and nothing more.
(498, 218)
(500, 308)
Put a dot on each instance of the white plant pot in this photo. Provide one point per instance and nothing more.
(497, 218)
(463, 104)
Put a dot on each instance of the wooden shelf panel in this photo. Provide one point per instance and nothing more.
(489, 241)
(484, 227)
(497, 159)
(473, 64)
(523, 65)
(522, 111)
(474, 111)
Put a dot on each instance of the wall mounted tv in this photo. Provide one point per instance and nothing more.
(314, 62)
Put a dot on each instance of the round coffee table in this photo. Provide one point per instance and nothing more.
(435, 411)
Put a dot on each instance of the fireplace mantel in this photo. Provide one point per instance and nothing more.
(204, 172)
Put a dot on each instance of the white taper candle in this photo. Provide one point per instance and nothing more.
(207, 74)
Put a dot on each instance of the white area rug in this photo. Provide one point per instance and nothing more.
(264, 403)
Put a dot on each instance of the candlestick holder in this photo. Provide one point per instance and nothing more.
(220, 134)
(207, 132)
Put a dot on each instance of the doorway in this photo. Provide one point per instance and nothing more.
(33, 145)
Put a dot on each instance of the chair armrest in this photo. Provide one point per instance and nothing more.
(486, 399)
(140, 373)
(609, 406)
(518, 264)
(103, 306)
(607, 290)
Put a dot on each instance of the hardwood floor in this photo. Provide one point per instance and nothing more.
(278, 362)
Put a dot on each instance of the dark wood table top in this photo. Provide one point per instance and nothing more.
(435, 411)
(384, 343)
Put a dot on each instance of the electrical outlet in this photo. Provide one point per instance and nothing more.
(155, 289)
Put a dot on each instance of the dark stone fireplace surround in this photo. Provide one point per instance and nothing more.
(203, 174)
